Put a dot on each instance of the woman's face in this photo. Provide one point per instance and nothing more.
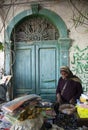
(64, 74)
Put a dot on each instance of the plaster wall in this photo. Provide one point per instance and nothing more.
(1, 30)
(1, 62)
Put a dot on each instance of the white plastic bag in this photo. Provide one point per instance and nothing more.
(29, 124)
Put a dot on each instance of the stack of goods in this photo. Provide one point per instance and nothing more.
(48, 110)
(21, 108)
(4, 124)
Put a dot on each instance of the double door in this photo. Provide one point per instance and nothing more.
(36, 69)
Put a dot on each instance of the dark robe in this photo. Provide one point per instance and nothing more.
(73, 89)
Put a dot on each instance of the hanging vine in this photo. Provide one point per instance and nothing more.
(1, 46)
(80, 15)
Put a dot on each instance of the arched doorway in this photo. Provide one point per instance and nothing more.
(37, 42)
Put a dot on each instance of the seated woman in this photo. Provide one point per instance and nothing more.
(69, 87)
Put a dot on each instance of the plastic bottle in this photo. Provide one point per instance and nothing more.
(78, 101)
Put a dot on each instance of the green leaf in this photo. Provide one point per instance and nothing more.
(1, 46)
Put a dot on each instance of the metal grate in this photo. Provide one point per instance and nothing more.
(35, 29)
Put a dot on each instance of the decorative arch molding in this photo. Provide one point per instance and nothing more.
(52, 17)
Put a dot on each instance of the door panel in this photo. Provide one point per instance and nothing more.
(46, 70)
(24, 70)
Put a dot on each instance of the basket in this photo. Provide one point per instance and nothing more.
(67, 109)
(82, 111)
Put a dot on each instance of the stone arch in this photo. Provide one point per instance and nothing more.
(52, 16)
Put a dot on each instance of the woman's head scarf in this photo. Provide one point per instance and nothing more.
(67, 70)
(70, 74)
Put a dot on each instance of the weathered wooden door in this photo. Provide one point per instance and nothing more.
(47, 69)
(36, 69)
(24, 70)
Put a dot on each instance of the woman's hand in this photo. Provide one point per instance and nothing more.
(59, 100)
(72, 101)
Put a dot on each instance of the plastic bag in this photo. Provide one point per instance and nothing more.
(29, 124)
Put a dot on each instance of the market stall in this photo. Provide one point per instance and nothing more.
(31, 112)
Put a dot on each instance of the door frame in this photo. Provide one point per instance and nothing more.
(63, 41)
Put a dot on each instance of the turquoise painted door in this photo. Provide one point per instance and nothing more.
(24, 70)
(47, 69)
(36, 69)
